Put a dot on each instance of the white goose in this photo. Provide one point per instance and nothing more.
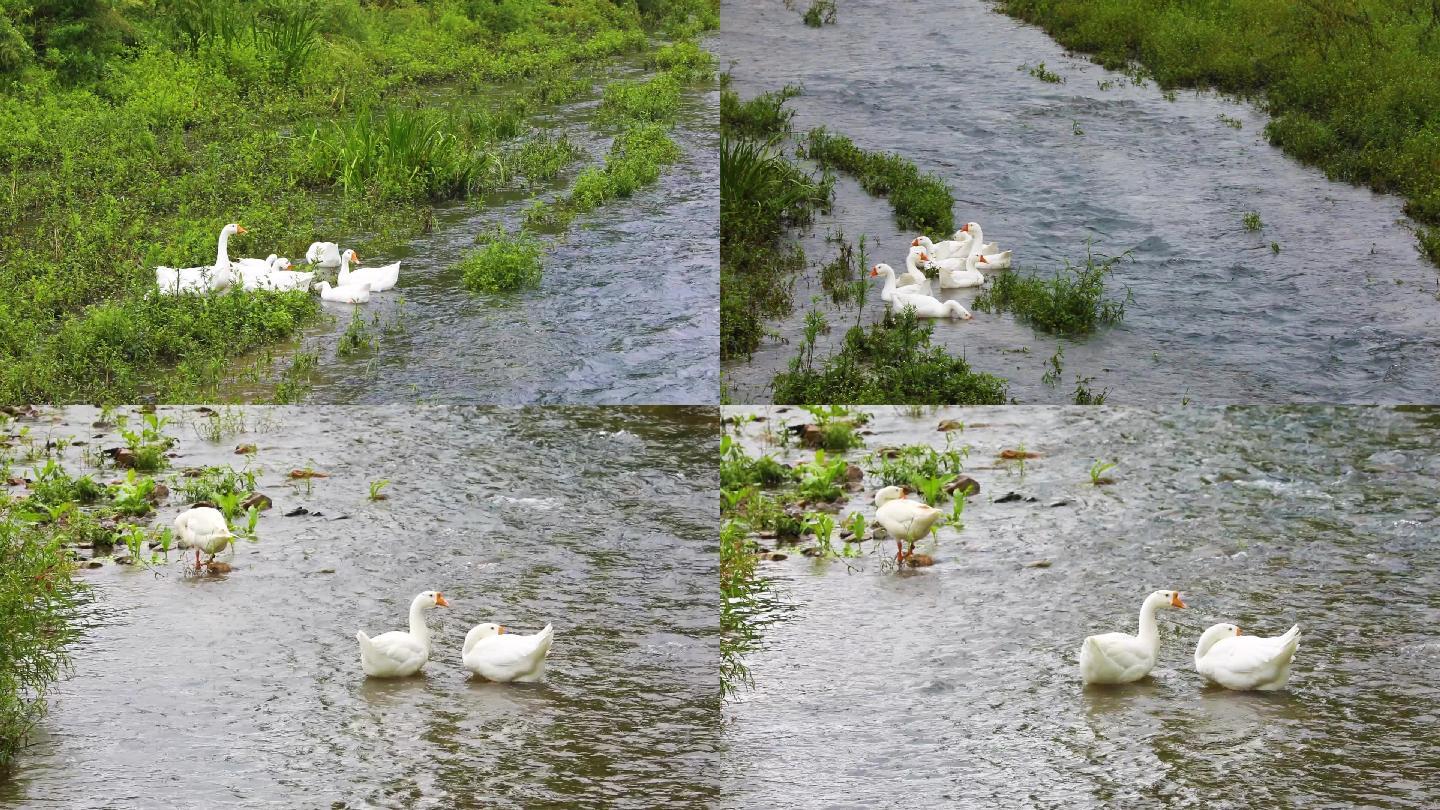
(924, 306)
(282, 278)
(1234, 661)
(904, 519)
(1121, 657)
(350, 294)
(218, 276)
(399, 653)
(203, 529)
(893, 287)
(379, 278)
(957, 273)
(914, 277)
(497, 655)
(999, 260)
(243, 266)
(325, 254)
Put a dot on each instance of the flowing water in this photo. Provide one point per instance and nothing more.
(1346, 312)
(957, 685)
(245, 688)
(625, 313)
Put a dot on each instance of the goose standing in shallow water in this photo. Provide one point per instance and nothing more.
(904, 519)
(1234, 661)
(400, 653)
(1121, 657)
(203, 529)
(496, 655)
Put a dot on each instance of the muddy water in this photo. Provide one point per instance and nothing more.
(1346, 312)
(245, 689)
(626, 311)
(956, 685)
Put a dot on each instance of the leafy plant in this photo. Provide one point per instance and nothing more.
(1071, 302)
(507, 262)
(1098, 470)
(376, 486)
(1252, 221)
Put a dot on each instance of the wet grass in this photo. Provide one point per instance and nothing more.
(132, 149)
(891, 362)
(1070, 302)
(921, 202)
(819, 13)
(541, 158)
(1039, 72)
(762, 196)
(1353, 88)
(654, 100)
(761, 118)
(636, 158)
(1252, 222)
(508, 261)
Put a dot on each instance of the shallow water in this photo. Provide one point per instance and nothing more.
(956, 685)
(625, 313)
(245, 689)
(1346, 312)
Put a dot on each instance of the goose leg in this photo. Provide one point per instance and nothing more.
(899, 552)
(197, 559)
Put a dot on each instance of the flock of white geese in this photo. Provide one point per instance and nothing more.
(489, 651)
(1222, 656)
(958, 262)
(352, 285)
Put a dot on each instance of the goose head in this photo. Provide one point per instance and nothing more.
(1214, 634)
(970, 228)
(882, 269)
(353, 257)
(282, 263)
(430, 599)
(888, 494)
(484, 631)
(233, 228)
(1166, 599)
(922, 241)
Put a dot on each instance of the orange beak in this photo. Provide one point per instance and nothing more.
(982, 259)
(502, 629)
(440, 600)
(1237, 631)
(1175, 600)
(904, 492)
(915, 242)
(924, 257)
(875, 271)
(966, 228)
(240, 228)
(355, 257)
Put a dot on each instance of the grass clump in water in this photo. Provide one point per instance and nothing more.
(921, 202)
(1047, 76)
(891, 362)
(761, 118)
(506, 262)
(1353, 88)
(1252, 221)
(1071, 302)
(820, 12)
(686, 61)
(761, 195)
(653, 100)
(635, 160)
(542, 158)
(403, 154)
(39, 608)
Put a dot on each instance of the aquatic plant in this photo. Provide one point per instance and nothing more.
(40, 605)
(1351, 88)
(1233, 123)
(147, 445)
(1070, 302)
(654, 100)
(376, 487)
(1252, 221)
(890, 362)
(1039, 72)
(821, 479)
(1054, 367)
(506, 262)
(634, 161)
(761, 118)
(402, 154)
(921, 202)
(542, 158)
(820, 12)
(1085, 396)
(1098, 470)
(356, 337)
(822, 525)
(911, 465)
(837, 427)
(685, 60)
(740, 588)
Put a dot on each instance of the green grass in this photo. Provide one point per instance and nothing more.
(1252, 222)
(686, 61)
(653, 100)
(891, 362)
(635, 160)
(761, 118)
(541, 158)
(820, 12)
(1353, 88)
(1047, 76)
(921, 202)
(40, 603)
(506, 262)
(133, 131)
(1070, 302)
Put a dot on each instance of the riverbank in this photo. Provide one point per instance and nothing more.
(300, 122)
(1354, 90)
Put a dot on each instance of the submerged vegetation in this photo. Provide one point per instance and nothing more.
(1351, 87)
(1071, 302)
(922, 202)
(134, 131)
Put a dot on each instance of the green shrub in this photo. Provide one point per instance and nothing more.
(506, 262)
(39, 607)
(1071, 302)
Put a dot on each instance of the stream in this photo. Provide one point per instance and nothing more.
(1346, 312)
(957, 685)
(626, 311)
(244, 689)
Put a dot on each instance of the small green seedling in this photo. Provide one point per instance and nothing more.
(1098, 470)
(376, 486)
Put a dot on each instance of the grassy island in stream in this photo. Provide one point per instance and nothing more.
(133, 131)
(1351, 87)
